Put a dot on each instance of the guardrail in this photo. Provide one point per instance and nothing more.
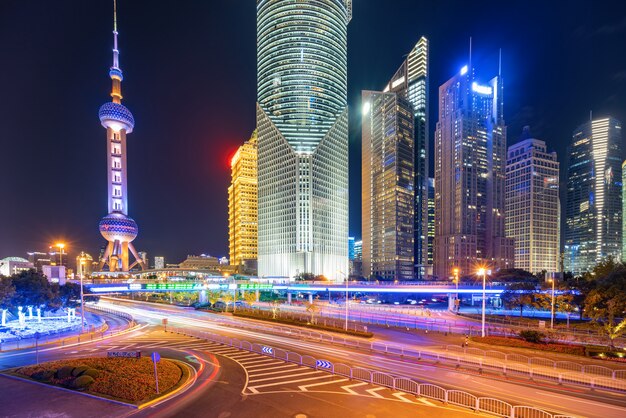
(408, 385)
(589, 369)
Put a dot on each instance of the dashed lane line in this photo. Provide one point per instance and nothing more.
(304, 388)
(347, 387)
(280, 377)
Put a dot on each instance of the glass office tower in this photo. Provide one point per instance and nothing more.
(593, 228)
(532, 205)
(411, 82)
(387, 186)
(470, 158)
(302, 123)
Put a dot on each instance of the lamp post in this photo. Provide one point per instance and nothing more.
(456, 282)
(483, 272)
(82, 301)
(61, 246)
(552, 305)
(346, 281)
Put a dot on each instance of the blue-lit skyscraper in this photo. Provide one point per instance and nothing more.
(302, 122)
(117, 227)
(470, 159)
(350, 248)
(593, 228)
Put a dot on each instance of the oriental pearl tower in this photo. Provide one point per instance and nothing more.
(117, 227)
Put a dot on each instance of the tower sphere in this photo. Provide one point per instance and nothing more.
(118, 227)
(117, 117)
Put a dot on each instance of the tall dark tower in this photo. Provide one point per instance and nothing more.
(117, 227)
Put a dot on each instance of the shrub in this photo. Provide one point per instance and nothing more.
(532, 336)
(91, 372)
(82, 382)
(79, 370)
(64, 372)
(43, 375)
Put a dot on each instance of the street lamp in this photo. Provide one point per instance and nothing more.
(456, 282)
(346, 280)
(483, 272)
(551, 280)
(82, 301)
(61, 246)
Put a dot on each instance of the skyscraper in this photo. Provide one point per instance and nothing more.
(388, 186)
(431, 227)
(242, 203)
(593, 227)
(411, 82)
(117, 227)
(623, 217)
(470, 156)
(532, 205)
(302, 122)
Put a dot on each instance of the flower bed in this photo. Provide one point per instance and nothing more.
(577, 350)
(126, 379)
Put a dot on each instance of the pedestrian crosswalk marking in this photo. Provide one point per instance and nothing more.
(262, 362)
(425, 402)
(273, 368)
(400, 395)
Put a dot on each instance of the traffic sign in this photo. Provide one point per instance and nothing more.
(267, 350)
(324, 364)
(129, 354)
(156, 357)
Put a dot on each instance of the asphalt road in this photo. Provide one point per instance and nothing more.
(221, 387)
(575, 401)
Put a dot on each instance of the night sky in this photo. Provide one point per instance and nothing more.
(190, 81)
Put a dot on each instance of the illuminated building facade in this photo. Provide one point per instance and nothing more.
(84, 264)
(470, 158)
(623, 209)
(159, 263)
(14, 265)
(411, 82)
(431, 227)
(117, 227)
(532, 205)
(302, 122)
(387, 186)
(242, 204)
(593, 225)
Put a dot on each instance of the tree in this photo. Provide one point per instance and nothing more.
(514, 275)
(606, 303)
(33, 289)
(69, 295)
(518, 295)
(563, 298)
(275, 305)
(579, 287)
(7, 291)
(249, 297)
(305, 276)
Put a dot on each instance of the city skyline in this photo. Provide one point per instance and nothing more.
(51, 207)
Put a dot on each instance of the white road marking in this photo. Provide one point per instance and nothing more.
(373, 392)
(400, 395)
(253, 369)
(262, 362)
(304, 387)
(425, 402)
(280, 377)
(347, 388)
(289, 381)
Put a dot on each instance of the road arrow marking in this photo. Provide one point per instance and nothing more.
(347, 388)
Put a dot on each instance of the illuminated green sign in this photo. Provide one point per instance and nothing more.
(255, 286)
(173, 286)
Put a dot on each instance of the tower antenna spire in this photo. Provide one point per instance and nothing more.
(470, 54)
(116, 53)
(500, 63)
